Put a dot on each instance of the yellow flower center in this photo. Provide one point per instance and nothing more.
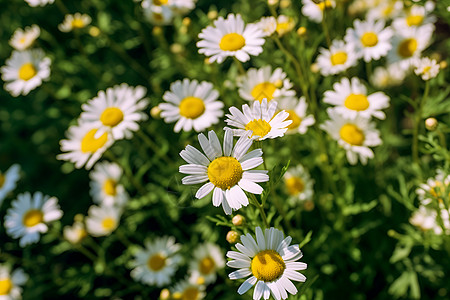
(111, 116)
(325, 4)
(32, 218)
(426, 69)
(296, 120)
(109, 187)
(259, 127)
(388, 10)
(232, 42)
(27, 71)
(160, 2)
(356, 102)
(407, 47)
(206, 265)
(191, 293)
(351, 134)
(108, 223)
(338, 58)
(82, 233)
(283, 27)
(2, 180)
(263, 90)
(438, 190)
(192, 107)
(225, 172)
(295, 185)
(90, 144)
(5, 286)
(77, 23)
(156, 262)
(267, 265)
(369, 39)
(22, 40)
(414, 20)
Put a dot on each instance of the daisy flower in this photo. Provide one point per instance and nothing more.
(207, 259)
(11, 282)
(416, 15)
(299, 184)
(25, 70)
(355, 135)
(158, 262)
(74, 22)
(426, 68)
(231, 37)
(29, 215)
(192, 105)
(351, 99)
(180, 7)
(75, 233)
(314, 11)
(339, 58)
(228, 173)
(83, 146)
(260, 120)
(35, 3)
(285, 24)
(297, 114)
(385, 10)
(426, 219)
(268, 25)
(271, 263)
(437, 187)
(370, 39)
(8, 181)
(116, 111)
(105, 187)
(188, 289)
(262, 83)
(383, 77)
(157, 12)
(24, 38)
(102, 220)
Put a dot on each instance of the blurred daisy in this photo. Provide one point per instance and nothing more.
(270, 262)
(102, 220)
(83, 147)
(24, 38)
(39, 2)
(25, 70)
(180, 7)
(29, 215)
(105, 187)
(370, 39)
(74, 22)
(297, 114)
(158, 262)
(192, 105)
(231, 37)
(426, 219)
(314, 11)
(260, 120)
(437, 187)
(426, 68)
(11, 282)
(285, 24)
(299, 184)
(385, 10)
(384, 77)
(416, 15)
(355, 135)
(157, 12)
(188, 289)
(268, 25)
(339, 58)
(207, 259)
(116, 111)
(262, 83)
(228, 172)
(75, 233)
(350, 99)
(8, 181)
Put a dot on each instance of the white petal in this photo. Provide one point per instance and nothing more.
(247, 285)
(204, 190)
(250, 186)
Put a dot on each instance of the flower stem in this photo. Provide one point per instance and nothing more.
(239, 66)
(261, 210)
(418, 120)
(325, 28)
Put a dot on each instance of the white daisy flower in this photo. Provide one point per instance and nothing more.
(350, 99)
(82, 145)
(426, 219)
(188, 289)
(105, 187)
(102, 220)
(386, 10)
(25, 70)
(426, 68)
(384, 77)
(314, 11)
(260, 120)
(297, 114)
(435, 188)
(192, 105)
(355, 135)
(271, 263)
(370, 39)
(262, 83)
(116, 111)
(285, 24)
(8, 181)
(35, 3)
(180, 7)
(158, 262)
(416, 15)
(29, 215)
(268, 25)
(337, 59)
(207, 259)
(74, 22)
(299, 184)
(228, 172)
(157, 12)
(22, 39)
(75, 233)
(11, 283)
(231, 37)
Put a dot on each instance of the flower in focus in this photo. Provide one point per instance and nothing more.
(314, 11)
(228, 172)
(297, 114)
(426, 68)
(11, 282)
(158, 262)
(384, 77)
(74, 22)
(105, 187)
(102, 220)
(192, 105)
(189, 289)
(8, 181)
(285, 24)
(271, 263)
(75, 233)
(268, 25)
(231, 37)
(29, 215)
(339, 58)
(35, 3)
(22, 39)
(207, 259)
(299, 184)
(25, 70)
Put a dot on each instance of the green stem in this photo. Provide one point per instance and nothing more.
(325, 28)
(261, 210)
(80, 248)
(123, 238)
(152, 146)
(369, 70)
(239, 66)
(441, 138)
(418, 120)
(62, 7)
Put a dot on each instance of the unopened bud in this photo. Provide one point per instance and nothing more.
(301, 31)
(176, 48)
(157, 30)
(238, 220)
(94, 31)
(212, 14)
(272, 2)
(232, 237)
(207, 61)
(155, 112)
(78, 218)
(315, 68)
(285, 3)
(308, 205)
(443, 64)
(165, 294)
(186, 21)
(431, 124)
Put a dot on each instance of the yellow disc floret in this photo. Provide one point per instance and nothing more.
(325, 4)
(77, 23)
(338, 58)
(190, 293)
(259, 127)
(206, 265)
(225, 172)
(27, 71)
(369, 39)
(351, 134)
(407, 48)
(109, 187)
(192, 107)
(90, 144)
(267, 265)
(111, 116)
(356, 102)
(296, 120)
(5, 287)
(414, 20)
(232, 42)
(295, 185)
(108, 223)
(33, 217)
(156, 262)
(263, 90)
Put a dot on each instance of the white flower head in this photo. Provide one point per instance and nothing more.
(35, 3)
(159, 13)
(386, 10)
(297, 114)
(102, 220)
(22, 39)
(207, 259)
(415, 16)
(11, 283)
(337, 59)
(75, 233)
(426, 219)
(285, 24)
(314, 11)
(268, 25)
(105, 186)
(384, 77)
(189, 288)
(74, 22)
(8, 181)
(436, 188)
(426, 68)
(299, 184)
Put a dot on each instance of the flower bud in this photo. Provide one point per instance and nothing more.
(301, 31)
(238, 220)
(431, 124)
(443, 64)
(94, 31)
(186, 21)
(165, 294)
(272, 2)
(232, 237)
(155, 112)
(212, 14)
(308, 205)
(285, 3)
(157, 30)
